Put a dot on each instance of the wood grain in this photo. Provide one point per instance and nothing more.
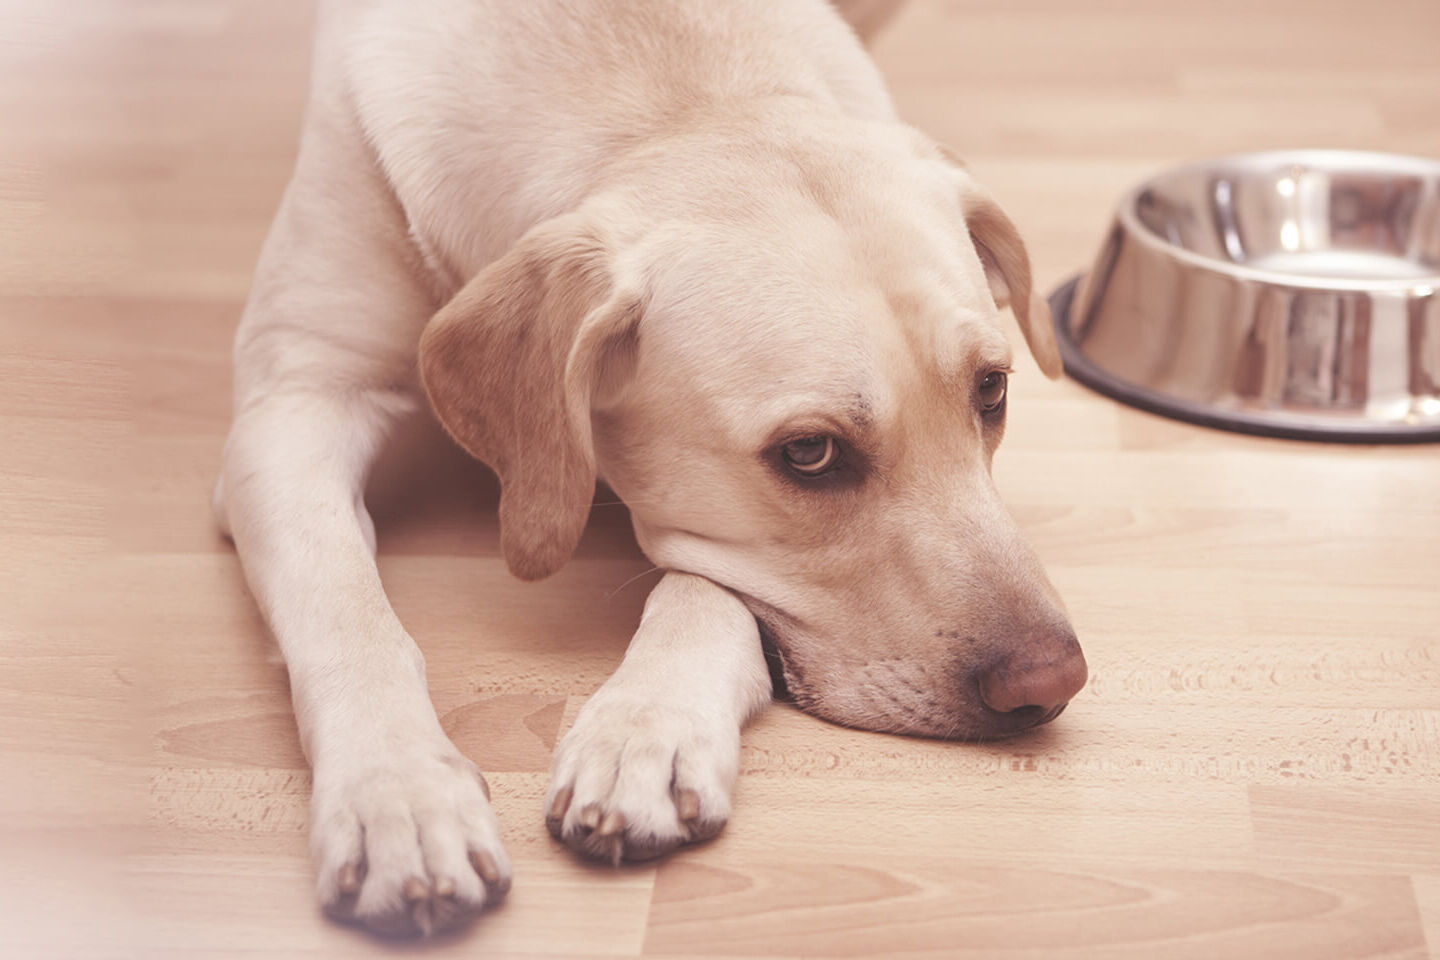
(1253, 771)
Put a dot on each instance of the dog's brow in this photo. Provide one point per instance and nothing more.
(994, 360)
(984, 349)
(852, 416)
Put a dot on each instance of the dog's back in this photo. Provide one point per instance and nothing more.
(512, 111)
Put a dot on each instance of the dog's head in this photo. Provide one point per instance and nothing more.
(791, 368)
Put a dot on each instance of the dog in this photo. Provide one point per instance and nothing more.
(687, 248)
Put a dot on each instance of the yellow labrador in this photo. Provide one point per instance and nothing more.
(684, 246)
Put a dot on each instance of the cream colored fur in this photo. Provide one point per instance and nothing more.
(643, 242)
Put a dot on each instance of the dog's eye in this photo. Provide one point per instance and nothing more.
(811, 456)
(992, 391)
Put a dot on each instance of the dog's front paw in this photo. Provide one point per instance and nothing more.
(406, 844)
(634, 780)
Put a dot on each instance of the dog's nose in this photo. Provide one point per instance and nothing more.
(1039, 676)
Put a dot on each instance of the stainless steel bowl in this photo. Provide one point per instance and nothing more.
(1291, 293)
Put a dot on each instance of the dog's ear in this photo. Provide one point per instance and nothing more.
(1007, 268)
(510, 365)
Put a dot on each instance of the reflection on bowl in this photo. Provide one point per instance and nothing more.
(1290, 293)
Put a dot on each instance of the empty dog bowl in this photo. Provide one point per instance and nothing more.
(1289, 293)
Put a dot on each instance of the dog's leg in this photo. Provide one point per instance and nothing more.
(652, 758)
(402, 833)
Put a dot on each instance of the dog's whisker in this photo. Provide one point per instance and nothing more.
(611, 595)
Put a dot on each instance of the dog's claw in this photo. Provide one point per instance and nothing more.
(613, 824)
(416, 890)
(687, 805)
(350, 878)
(555, 816)
(486, 866)
(590, 816)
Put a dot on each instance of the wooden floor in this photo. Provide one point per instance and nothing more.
(1253, 771)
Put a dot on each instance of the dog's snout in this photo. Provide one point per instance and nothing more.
(1038, 676)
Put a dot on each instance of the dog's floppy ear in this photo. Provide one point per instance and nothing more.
(1007, 268)
(510, 365)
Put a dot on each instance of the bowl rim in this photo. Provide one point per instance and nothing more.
(1370, 160)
